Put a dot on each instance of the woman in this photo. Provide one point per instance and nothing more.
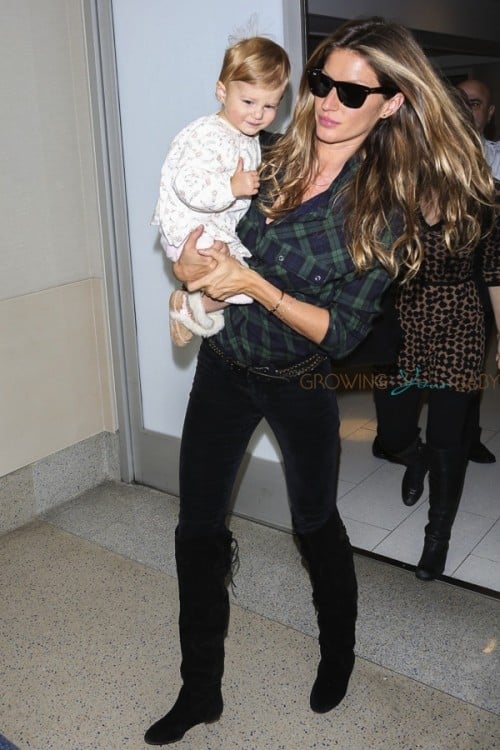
(442, 319)
(336, 216)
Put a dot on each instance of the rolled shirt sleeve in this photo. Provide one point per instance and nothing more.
(356, 305)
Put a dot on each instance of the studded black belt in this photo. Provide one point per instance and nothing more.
(270, 373)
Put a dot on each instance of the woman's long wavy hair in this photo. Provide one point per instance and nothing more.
(426, 155)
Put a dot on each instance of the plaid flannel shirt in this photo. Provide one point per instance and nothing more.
(305, 255)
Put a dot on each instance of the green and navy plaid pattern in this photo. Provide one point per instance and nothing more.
(305, 254)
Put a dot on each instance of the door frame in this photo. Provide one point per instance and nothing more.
(142, 451)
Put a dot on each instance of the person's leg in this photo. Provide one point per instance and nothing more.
(220, 419)
(219, 422)
(398, 438)
(448, 449)
(397, 418)
(304, 418)
(478, 452)
(328, 555)
(203, 565)
(193, 313)
(306, 427)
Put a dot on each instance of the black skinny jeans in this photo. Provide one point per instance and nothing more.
(223, 411)
(397, 417)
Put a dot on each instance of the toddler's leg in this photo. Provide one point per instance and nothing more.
(188, 316)
(240, 252)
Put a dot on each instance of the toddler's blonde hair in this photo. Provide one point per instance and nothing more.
(256, 60)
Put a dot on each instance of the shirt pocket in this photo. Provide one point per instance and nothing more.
(308, 257)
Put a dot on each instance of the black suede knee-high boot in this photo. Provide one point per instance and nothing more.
(415, 458)
(203, 565)
(328, 555)
(446, 479)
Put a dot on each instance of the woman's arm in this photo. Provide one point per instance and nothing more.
(338, 328)
(221, 276)
(230, 277)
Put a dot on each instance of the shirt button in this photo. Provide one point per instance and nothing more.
(281, 257)
(317, 278)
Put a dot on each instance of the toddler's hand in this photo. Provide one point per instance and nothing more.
(244, 184)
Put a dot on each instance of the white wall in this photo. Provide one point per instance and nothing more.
(55, 375)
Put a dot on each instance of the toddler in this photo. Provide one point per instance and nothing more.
(211, 173)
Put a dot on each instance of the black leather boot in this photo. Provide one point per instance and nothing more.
(480, 454)
(446, 479)
(203, 565)
(416, 461)
(328, 555)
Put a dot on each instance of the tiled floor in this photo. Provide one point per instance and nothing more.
(90, 654)
(377, 520)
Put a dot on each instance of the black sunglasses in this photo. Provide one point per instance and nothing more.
(352, 95)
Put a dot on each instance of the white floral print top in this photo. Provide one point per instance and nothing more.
(195, 185)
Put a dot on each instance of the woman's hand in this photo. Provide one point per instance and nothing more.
(225, 277)
(192, 264)
(220, 276)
